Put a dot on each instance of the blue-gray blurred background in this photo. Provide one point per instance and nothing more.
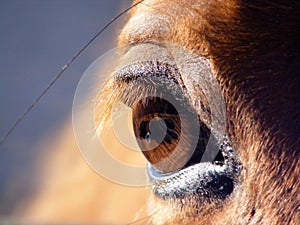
(37, 37)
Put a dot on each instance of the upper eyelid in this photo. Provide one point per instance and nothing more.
(150, 78)
(172, 62)
(147, 69)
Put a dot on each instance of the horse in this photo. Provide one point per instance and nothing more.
(251, 50)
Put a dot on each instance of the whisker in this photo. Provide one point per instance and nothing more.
(61, 72)
(143, 219)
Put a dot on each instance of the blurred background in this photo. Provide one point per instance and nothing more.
(42, 176)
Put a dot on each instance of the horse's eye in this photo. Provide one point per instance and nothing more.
(170, 135)
(157, 127)
(167, 125)
(179, 122)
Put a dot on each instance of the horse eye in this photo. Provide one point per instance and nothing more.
(166, 125)
(166, 137)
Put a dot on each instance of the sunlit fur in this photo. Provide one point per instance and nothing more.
(254, 51)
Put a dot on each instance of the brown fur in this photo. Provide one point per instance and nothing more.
(253, 48)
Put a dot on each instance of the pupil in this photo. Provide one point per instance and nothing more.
(144, 129)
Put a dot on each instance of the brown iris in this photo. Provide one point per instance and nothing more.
(166, 136)
(157, 128)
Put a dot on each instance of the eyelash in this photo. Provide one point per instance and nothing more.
(150, 79)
